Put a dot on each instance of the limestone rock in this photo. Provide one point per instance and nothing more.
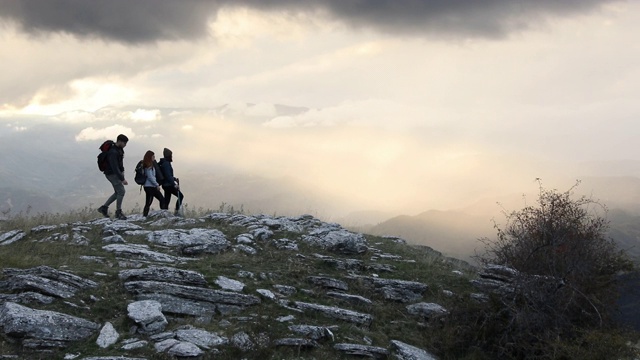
(404, 351)
(45, 280)
(397, 290)
(327, 282)
(296, 342)
(108, 336)
(229, 284)
(184, 349)
(337, 313)
(367, 351)
(191, 242)
(141, 252)
(427, 310)
(242, 341)
(11, 236)
(191, 292)
(42, 328)
(312, 332)
(147, 314)
(28, 297)
(164, 274)
(337, 240)
(354, 299)
(201, 338)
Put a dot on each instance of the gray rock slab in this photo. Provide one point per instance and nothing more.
(242, 341)
(147, 314)
(201, 338)
(312, 332)
(229, 284)
(141, 252)
(193, 241)
(53, 274)
(108, 336)
(354, 299)
(114, 227)
(177, 305)
(285, 290)
(26, 298)
(426, 310)
(166, 344)
(114, 239)
(404, 351)
(191, 292)
(17, 321)
(267, 294)
(296, 342)
(328, 283)
(245, 249)
(164, 274)
(184, 349)
(367, 351)
(337, 313)
(38, 284)
(337, 240)
(12, 236)
(138, 344)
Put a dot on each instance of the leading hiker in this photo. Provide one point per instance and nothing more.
(114, 172)
(171, 184)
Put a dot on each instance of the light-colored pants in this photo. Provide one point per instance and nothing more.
(118, 191)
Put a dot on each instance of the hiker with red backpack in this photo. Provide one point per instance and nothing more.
(110, 161)
(171, 184)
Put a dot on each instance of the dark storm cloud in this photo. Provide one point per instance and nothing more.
(136, 21)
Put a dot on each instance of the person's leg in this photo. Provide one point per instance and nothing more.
(120, 195)
(180, 196)
(148, 191)
(158, 195)
(104, 209)
(167, 195)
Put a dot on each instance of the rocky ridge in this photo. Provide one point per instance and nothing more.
(220, 285)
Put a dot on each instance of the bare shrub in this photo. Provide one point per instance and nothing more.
(566, 270)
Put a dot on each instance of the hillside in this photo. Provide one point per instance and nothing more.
(222, 286)
(452, 232)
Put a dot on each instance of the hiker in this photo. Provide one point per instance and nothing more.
(114, 172)
(151, 185)
(171, 184)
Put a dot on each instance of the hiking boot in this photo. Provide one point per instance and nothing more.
(104, 211)
(120, 215)
(176, 213)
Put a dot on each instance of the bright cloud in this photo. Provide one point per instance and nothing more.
(110, 132)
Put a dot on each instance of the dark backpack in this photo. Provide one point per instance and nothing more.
(102, 157)
(140, 177)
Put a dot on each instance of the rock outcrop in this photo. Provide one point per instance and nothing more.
(156, 286)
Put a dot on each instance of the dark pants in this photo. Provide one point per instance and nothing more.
(153, 192)
(172, 190)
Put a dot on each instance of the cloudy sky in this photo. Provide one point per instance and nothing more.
(395, 104)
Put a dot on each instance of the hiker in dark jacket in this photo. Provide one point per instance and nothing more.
(114, 172)
(171, 184)
(152, 185)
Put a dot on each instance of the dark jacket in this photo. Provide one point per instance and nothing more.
(167, 171)
(115, 158)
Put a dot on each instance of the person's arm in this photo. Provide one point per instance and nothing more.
(113, 163)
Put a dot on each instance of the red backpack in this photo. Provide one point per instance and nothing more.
(102, 157)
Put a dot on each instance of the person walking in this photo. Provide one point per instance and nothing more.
(114, 172)
(151, 185)
(171, 184)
